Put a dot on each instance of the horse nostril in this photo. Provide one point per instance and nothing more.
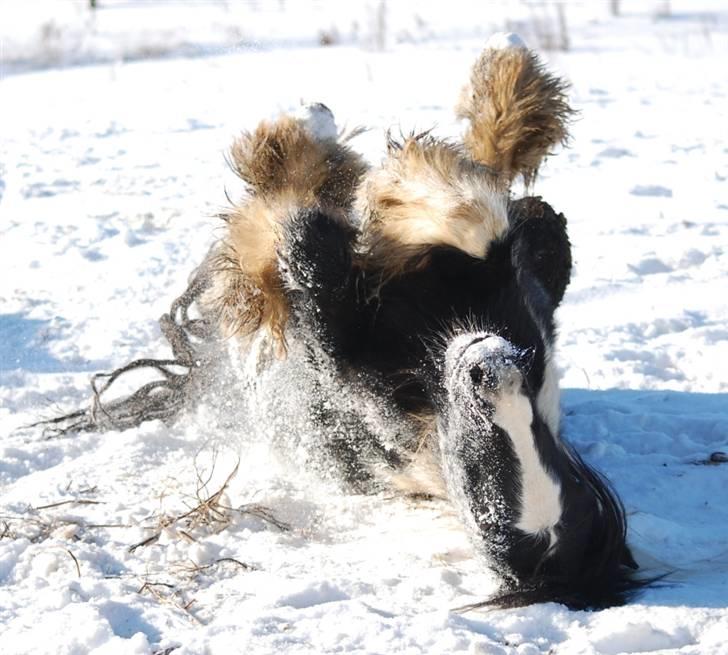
(476, 375)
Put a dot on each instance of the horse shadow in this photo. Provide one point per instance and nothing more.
(655, 447)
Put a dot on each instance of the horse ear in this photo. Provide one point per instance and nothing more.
(628, 559)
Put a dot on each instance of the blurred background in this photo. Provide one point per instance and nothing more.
(41, 33)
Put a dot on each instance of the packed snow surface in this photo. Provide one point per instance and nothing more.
(110, 177)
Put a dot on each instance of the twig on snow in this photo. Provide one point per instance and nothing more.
(75, 561)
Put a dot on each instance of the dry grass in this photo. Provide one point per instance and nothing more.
(169, 594)
(209, 512)
(192, 571)
(36, 527)
(175, 584)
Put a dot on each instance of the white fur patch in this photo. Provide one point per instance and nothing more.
(318, 120)
(541, 494)
(548, 401)
(473, 238)
(505, 40)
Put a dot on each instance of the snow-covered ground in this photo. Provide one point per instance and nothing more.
(109, 179)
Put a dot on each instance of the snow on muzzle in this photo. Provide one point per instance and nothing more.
(509, 501)
(480, 366)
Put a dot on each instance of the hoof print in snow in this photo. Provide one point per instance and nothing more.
(651, 190)
(615, 153)
(650, 266)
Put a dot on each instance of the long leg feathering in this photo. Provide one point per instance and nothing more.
(516, 110)
(293, 163)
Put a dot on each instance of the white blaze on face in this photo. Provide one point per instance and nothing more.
(548, 401)
(505, 40)
(540, 493)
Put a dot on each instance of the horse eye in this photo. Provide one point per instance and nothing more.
(476, 374)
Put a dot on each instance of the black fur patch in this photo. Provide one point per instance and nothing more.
(391, 334)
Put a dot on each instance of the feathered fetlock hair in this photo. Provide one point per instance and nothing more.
(290, 164)
(516, 110)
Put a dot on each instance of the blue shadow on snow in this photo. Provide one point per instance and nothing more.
(23, 346)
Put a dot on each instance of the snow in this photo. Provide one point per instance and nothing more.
(110, 177)
(504, 41)
(318, 120)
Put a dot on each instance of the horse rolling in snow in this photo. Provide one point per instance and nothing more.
(411, 307)
(424, 290)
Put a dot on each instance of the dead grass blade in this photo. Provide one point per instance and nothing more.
(260, 512)
(191, 569)
(75, 561)
(173, 597)
(72, 501)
